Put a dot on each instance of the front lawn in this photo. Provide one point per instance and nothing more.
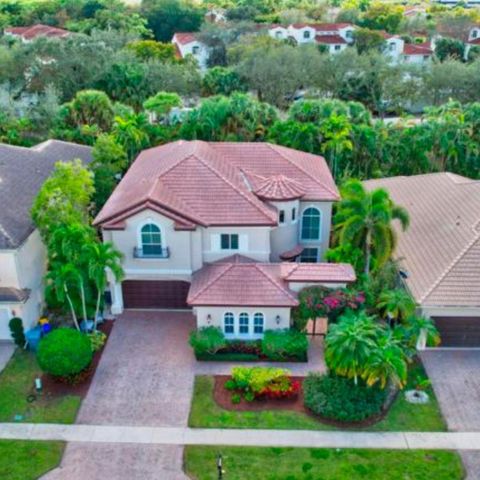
(17, 383)
(402, 416)
(28, 460)
(245, 463)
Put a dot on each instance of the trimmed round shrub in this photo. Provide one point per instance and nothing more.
(17, 332)
(64, 352)
(338, 398)
(284, 344)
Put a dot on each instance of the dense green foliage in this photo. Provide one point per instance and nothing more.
(207, 340)
(16, 330)
(285, 344)
(64, 352)
(337, 398)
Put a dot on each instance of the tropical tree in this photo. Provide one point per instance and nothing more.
(130, 132)
(100, 258)
(415, 326)
(397, 304)
(364, 219)
(350, 343)
(162, 103)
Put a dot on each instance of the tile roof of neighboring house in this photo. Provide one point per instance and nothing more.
(441, 249)
(418, 49)
(13, 295)
(204, 183)
(39, 30)
(322, 27)
(330, 39)
(184, 37)
(241, 281)
(276, 187)
(22, 173)
(475, 41)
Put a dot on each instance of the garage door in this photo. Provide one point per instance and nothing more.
(459, 331)
(155, 294)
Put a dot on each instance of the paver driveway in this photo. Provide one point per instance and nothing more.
(455, 376)
(145, 377)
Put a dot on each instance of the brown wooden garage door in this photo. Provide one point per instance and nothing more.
(155, 294)
(459, 331)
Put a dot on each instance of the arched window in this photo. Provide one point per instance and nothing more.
(243, 326)
(258, 323)
(228, 323)
(151, 238)
(311, 224)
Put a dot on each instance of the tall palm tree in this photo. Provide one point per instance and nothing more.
(102, 257)
(130, 132)
(398, 304)
(350, 343)
(364, 219)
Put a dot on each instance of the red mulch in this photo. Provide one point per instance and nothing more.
(53, 387)
(222, 398)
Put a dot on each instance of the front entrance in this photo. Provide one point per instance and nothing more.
(155, 294)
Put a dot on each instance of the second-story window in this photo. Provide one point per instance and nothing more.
(294, 214)
(195, 50)
(229, 241)
(281, 216)
(311, 224)
(151, 239)
(306, 34)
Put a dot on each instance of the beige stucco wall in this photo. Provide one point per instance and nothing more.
(8, 269)
(285, 236)
(326, 219)
(270, 315)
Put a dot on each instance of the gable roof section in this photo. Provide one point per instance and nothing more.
(319, 272)
(203, 182)
(441, 249)
(184, 38)
(22, 173)
(330, 39)
(38, 30)
(417, 49)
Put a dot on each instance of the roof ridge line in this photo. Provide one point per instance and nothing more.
(229, 266)
(236, 188)
(450, 267)
(306, 172)
(271, 280)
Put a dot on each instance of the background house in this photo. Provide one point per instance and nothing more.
(30, 33)
(22, 254)
(440, 252)
(187, 43)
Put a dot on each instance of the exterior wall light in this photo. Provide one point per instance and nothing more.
(209, 319)
(277, 319)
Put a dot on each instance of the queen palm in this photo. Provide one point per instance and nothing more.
(102, 257)
(350, 343)
(364, 220)
(398, 304)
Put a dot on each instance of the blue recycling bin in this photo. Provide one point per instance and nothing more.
(33, 337)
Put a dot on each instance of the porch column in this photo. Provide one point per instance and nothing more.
(117, 297)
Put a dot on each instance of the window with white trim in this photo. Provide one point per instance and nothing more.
(309, 255)
(228, 323)
(151, 239)
(294, 214)
(243, 327)
(311, 224)
(281, 216)
(229, 241)
(258, 323)
(306, 34)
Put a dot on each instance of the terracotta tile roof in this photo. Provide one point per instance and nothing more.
(475, 41)
(276, 187)
(418, 49)
(39, 30)
(319, 272)
(184, 38)
(330, 39)
(441, 249)
(188, 178)
(322, 27)
(241, 281)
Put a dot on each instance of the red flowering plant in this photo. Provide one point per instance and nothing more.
(337, 301)
(282, 388)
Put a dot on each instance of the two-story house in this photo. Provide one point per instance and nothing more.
(187, 43)
(22, 253)
(214, 226)
(473, 39)
(398, 51)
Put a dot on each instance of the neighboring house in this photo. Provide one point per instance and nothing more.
(401, 52)
(22, 254)
(473, 39)
(216, 15)
(336, 36)
(439, 253)
(184, 208)
(186, 43)
(28, 34)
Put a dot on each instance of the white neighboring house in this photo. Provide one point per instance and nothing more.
(412, 53)
(473, 39)
(186, 43)
(22, 253)
(215, 225)
(336, 36)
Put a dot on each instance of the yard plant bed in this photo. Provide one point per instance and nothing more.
(55, 387)
(246, 463)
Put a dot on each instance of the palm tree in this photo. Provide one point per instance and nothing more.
(130, 132)
(350, 343)
(102, 257)
(364, 219)
(59, 278)
(387, 363)
(397, 304)
(416, 325)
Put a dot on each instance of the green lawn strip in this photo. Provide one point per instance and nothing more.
(403, 416)
(28, 460)
(17, 382)
(245, 463)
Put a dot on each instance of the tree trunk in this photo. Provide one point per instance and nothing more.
(84, 306)
(367, 254)
(74, 316)
(97, 308)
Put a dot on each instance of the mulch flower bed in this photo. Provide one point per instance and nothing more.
(223, 398)
(53, 387)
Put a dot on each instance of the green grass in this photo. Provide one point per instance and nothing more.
(402, 416)
(242, 463)
(17, 382)
(28, 460)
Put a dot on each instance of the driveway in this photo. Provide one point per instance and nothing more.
(145, 378)
(456, 380)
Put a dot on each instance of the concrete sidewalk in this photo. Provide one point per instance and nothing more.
(240, 437)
